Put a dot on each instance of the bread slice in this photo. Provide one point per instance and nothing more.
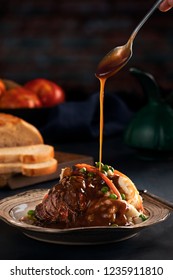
(26, 154)
(15, 131)
(29, 169)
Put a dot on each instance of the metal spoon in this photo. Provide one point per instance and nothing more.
(119, 56)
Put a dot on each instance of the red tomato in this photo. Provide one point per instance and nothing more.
(47, 91)
(2, 88)
(19, 97)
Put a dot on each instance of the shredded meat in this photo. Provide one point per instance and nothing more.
(78, 200)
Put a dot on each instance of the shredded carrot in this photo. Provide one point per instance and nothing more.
(45, 196)
(109, 182)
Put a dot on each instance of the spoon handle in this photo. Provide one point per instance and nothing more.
(150, 12)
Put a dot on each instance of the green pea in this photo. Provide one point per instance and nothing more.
(123, 196)
(104, 172)
(113, 196)
(98, 164)
(104, 189)
(31, 213)
(105, 167)
(111, 168)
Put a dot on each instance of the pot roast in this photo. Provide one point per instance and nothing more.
(87, 196)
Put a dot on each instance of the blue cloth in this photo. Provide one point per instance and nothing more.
(78, 120)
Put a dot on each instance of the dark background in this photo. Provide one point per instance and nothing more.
(64, 41)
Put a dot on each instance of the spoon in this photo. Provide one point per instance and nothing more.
(119, 56)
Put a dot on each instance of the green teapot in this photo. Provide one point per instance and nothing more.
(151, 129)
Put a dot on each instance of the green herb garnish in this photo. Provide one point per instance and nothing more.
(82, 170)
(143, 217)
(90, 174)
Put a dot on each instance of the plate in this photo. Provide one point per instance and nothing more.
(13, 208)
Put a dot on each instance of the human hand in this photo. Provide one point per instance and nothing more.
(166, 5)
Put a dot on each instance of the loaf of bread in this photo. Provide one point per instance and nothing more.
(22, 150)
(15, 132)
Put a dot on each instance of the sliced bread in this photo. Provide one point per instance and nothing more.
(26, 154)
(15, 132)
(29, 169)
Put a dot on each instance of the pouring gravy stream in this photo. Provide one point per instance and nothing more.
(112, 63)
(107, 68)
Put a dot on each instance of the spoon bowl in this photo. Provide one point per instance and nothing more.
(119, 56)
(114, 60)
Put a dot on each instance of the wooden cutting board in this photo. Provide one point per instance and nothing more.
(64, 160)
